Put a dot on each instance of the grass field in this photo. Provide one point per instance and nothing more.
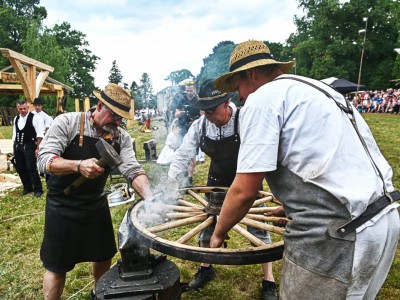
(22, 220)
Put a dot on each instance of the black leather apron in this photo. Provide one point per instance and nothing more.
(223, 154)
(78, 227)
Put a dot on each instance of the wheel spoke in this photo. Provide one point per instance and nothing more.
(197, 197)
(196, 230)
(182, 208)
(260, 225)
(263, 200)
(257, 210)
(179, 215)
(189, 216)
(265, 218)
(177, 223)
(253, 239)
(188, 204)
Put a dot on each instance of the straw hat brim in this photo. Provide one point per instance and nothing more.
(224, 84)
(204, 103)
(127, 115)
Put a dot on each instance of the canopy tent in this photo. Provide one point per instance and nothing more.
(342, 85)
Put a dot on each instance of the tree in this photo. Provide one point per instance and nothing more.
(177, 76)
(82, 62)
(217, 63)
(327, 42)
(115, 74)
(15, 19)
(43, 46)
(146, 91)
(135, 93)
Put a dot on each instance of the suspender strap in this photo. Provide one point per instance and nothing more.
(81, 129)
(374, 208)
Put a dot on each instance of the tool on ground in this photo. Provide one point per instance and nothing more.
(109, 158)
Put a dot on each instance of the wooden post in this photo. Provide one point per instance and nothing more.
(77, 104)
(86, 104)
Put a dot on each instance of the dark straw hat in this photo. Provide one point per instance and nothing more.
(245, 56)
(37, 101)
(209, 96)
(117, 99)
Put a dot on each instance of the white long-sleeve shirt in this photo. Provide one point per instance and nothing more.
(191, 142)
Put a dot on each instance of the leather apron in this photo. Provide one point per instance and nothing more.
(78, 227)
(223, 164)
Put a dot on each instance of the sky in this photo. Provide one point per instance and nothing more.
(158, 37)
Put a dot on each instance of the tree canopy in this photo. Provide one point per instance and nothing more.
(115, 74)
(327, 42)
(177, 76)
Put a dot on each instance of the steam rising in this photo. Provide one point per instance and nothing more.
(153, 211)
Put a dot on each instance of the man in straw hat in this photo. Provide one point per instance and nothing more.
(217, 135)
(296, 133)
(78, 226)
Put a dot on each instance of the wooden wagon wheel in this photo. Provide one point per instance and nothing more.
(196, 210)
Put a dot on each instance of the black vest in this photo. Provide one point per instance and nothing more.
(223, 154)
(28, 134)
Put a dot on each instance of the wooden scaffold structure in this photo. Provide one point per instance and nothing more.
(31, 79)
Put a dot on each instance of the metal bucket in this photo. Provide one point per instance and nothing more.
(115, 196)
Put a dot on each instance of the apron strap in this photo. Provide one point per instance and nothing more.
(82, 129)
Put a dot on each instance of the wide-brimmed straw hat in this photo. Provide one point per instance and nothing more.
(117, 99)
(245, 56)
(209, 96)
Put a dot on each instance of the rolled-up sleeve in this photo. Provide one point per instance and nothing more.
(59, 136)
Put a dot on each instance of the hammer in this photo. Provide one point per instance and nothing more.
(109, 157)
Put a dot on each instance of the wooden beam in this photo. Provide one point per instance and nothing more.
(39, 81)
(25, 59)
(31, 75)
(23, 78)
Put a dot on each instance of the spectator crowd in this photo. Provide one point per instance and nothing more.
(377, 101)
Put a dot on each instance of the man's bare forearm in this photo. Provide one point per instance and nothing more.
(141, 185)
(239, 199)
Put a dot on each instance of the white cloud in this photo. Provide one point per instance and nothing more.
(158, 37)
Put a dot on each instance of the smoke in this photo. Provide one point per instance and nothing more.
(153, 211)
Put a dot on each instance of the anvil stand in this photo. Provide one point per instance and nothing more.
(138, 275)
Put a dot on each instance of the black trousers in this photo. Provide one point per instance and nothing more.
(25, 161)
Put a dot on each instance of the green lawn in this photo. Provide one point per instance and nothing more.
(22, 218)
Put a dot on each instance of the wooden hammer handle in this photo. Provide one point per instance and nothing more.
(82, 179)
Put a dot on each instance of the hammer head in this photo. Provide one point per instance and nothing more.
(108, 154)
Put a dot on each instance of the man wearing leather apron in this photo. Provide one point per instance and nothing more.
(321, 161)
(217, 135)
(78, 226)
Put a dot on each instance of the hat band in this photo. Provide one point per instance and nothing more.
(213, 98)
(113, 102)
(249, 59)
